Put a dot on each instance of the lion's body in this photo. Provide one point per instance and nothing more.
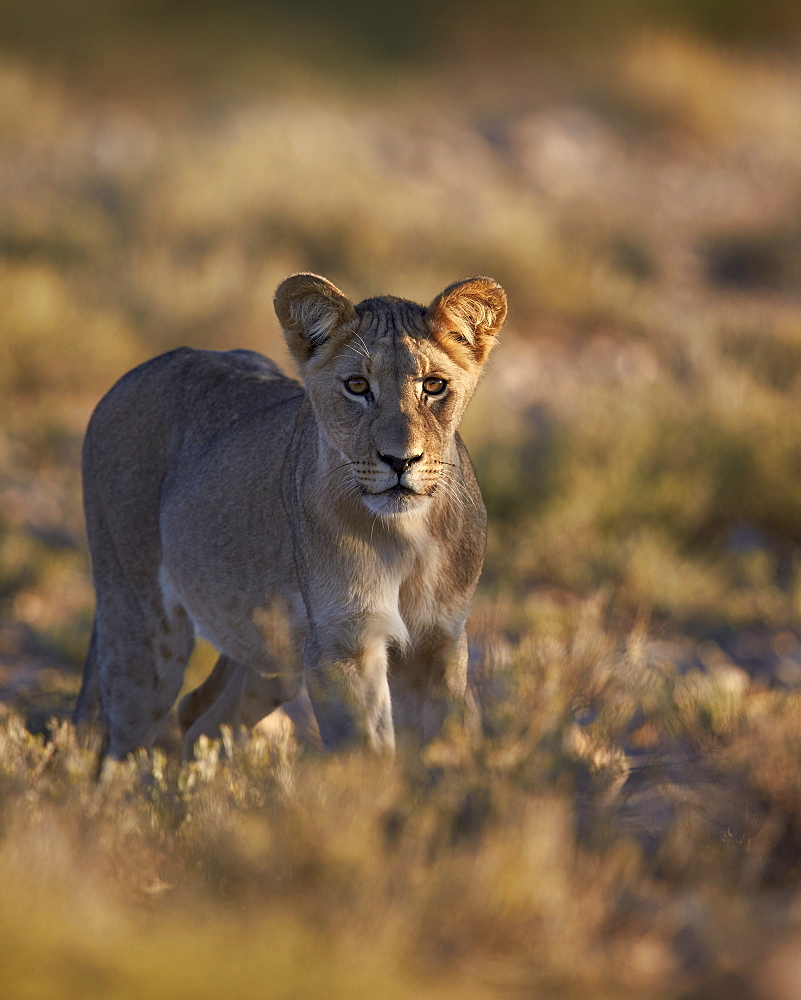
(308, 533)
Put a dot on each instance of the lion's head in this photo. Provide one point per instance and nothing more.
(389, 379)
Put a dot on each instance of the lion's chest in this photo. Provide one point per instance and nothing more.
(382, 588)
(407, 591)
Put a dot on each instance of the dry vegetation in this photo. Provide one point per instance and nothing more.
(629, 822)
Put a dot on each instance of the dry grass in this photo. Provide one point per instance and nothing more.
(627, 825)
(619, 829)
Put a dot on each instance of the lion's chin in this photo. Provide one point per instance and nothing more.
(396, 500)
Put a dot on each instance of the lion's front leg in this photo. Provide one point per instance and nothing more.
(346, 678)
(429, 679)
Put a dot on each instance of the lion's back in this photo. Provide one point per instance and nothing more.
(186, 393)
(156, 421)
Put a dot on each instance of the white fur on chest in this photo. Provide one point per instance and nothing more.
(400, 592)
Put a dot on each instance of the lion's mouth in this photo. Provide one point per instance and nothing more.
(396, 499)
(399, 490)
(396, 491)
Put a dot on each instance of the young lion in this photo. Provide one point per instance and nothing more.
(330, 533)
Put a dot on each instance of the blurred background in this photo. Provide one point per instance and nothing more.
(630, 171)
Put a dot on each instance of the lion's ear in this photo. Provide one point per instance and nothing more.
(467, 316)
(310, 310)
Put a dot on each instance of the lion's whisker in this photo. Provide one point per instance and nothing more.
(356, 348)
(457, 485)
(451, 492)
(361, 341)
(336, 468)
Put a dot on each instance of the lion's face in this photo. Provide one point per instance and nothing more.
(390, 400)
(389, 381)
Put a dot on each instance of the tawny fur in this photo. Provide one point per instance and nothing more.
(325, 540)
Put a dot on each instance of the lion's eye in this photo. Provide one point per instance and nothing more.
(357, 385)
(433, 386)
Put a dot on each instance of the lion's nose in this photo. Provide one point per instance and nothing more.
(399, 465)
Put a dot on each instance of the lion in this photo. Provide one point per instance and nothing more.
(326, 536)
